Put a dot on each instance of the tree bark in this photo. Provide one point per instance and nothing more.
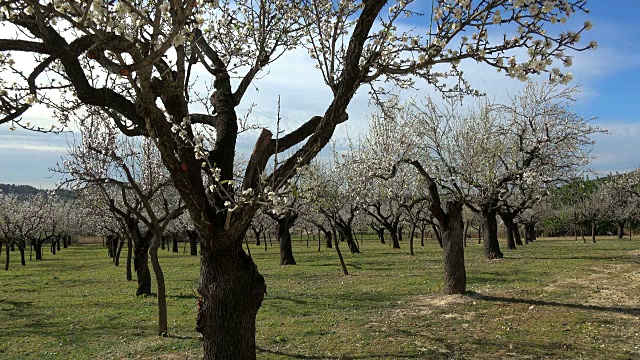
(175, 243)
(141, 266)
(129, 254)
(516, 234)
(529, 233)
(21, 245)
(229, 301)
(285, 222)
(7, 256)
(490, 235)
(437, 234)
(423, 227)
(162, 295)
(337, 243)
(621, 229)
(411, 235)
(193, 242)
(37, 248)
(455, 276)
(508, 229)
(347, 232)
(593, 231)
(379, 232)
(120, 245)
(394, 238)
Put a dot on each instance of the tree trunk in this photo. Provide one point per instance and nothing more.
(162, 295)
(67, 241)
(37, 248)
(21, 245)
(163, 239)
(508, 229)
(231, 291)
(257, 235)
(175, 243)
(423, 227)
(379, 232)
(455, 276)
(621, 229)
(394, 237)
(7, 256)
(490, 233)
(516, 234)
(436, 232)
(593, 231)
(141, 265)
(411, 235)
(120, 245)
(348, 234)
(129, 253)
(529, 233)
(284, 237)
(193, 242)
(335, 240)
(58, 243)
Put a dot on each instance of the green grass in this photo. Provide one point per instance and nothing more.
(554, 299)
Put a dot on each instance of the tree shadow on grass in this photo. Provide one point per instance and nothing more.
(614, 309)
(293, 300)
(345, 357)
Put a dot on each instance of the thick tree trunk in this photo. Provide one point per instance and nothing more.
(231, 291)
(422, 233)
(162, 295)
(621, 229)
(455, 276)
(328, 238)
(347, 232)
(529, 233)
(120, 245)
(394, 238)
(193, 242)
(516, 235)
(284, 237)
(141, 266)
(508, 229)
(21, 245)
(593, 231)
(37, 248)
(58, 243)
(175, 248)
(490, 234)
(67, 241)
(162, 241)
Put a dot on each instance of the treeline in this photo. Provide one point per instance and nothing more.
(24, 191)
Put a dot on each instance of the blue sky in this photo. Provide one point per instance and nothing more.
(609, 78)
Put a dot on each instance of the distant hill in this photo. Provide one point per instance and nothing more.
(27, 190)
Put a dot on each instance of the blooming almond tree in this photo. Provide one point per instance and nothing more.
(136, 60)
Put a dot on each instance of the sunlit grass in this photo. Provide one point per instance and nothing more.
(551, 299)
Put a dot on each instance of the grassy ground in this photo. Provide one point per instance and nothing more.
(555, 299)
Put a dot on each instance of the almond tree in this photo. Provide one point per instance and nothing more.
(130, 170)
(136, 59)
